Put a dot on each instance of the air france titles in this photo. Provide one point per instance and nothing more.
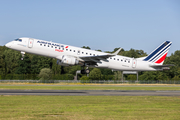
(52, 44)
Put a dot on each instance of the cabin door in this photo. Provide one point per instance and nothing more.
(134, 62)
(30, 43)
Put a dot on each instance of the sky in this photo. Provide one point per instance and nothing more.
(99, 24)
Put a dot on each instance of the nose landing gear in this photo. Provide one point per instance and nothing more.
(22, 53)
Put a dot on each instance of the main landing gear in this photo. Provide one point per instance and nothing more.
(85, 71)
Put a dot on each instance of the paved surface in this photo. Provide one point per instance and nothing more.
(90, 92)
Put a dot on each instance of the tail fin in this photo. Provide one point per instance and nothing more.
(159, 54)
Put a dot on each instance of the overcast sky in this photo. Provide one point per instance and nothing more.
(99, 24)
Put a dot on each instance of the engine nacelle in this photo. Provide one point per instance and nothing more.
(67, 60)
(60, 63)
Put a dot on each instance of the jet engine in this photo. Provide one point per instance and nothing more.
(67, 61)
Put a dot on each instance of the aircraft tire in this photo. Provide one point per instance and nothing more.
(87, 71)
(83, 72)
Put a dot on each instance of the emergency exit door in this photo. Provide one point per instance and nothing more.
(30, 43)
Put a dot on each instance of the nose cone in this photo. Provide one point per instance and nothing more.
(8, 44)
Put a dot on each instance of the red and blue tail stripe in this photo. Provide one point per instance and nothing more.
(159, 54)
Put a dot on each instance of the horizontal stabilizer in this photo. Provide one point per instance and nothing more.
(163, 67)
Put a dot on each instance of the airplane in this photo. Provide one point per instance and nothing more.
(67, 55)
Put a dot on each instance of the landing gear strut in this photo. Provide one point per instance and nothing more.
(22, 53)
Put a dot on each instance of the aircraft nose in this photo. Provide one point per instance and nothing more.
(8, 45)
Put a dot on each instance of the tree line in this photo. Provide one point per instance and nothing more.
(12, 67)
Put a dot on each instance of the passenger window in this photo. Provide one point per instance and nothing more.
(90, 53)
(66, 49)
(48, 45)
(117, 59)
(74, 51)
(56, 47)
(86, 53)
(44, 45)
(51, 46)
(82, 52)
(40, 44)
(70, 50)
(94, 54)
(114, 58)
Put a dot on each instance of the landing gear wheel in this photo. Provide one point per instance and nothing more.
(87, 71)
(83, 72)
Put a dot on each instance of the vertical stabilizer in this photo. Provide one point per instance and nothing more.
(159, 54)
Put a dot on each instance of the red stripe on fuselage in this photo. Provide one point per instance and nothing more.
(161, 59)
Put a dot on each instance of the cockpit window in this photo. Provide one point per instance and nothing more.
(20, 40)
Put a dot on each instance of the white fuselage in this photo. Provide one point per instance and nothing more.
(56, 50)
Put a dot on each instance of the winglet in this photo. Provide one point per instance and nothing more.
(115, 53)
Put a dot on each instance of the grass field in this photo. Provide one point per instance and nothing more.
(89, 107)
(90, 87)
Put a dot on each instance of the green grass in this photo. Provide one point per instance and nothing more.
(89, 107)
(90, 87)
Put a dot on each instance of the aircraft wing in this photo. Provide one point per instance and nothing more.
(96, 59)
